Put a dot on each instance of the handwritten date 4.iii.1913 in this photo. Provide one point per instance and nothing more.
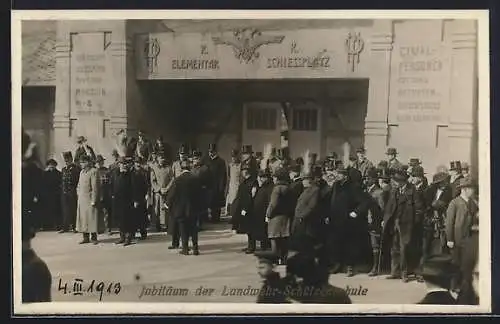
(80, 287)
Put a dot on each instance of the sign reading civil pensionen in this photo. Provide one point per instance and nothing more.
(420, 82)
(249, 54)
(88, 75)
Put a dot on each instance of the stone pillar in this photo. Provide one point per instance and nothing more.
(62, 123)
(91, 89)
(376, 127)
(463, 93)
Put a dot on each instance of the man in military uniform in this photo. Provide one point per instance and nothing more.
(455, 173)
(218, 181)
(161, 177)
(375, 216)
(392, 159)
(70, 177)
(362, 163)
(403, 208)
(249, 161)
(183, 156)
(104, 193)
(465, 169)
(140, 186)
(87, 213)
(143, 147)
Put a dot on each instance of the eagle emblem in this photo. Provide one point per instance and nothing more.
(245, 43)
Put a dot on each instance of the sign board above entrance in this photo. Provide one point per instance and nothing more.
(254, 54)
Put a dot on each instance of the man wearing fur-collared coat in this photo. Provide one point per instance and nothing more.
(87, 213)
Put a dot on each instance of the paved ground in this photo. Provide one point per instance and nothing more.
(148, 268)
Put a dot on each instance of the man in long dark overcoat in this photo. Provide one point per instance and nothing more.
(202, 176)
(308, 215)
(218, 180)
(123, 202)
(403, 209)
(70, 178)
(51, 197)
(257, 226)
(242, 204)
(348, 217)
(182, 199)
(140, 188)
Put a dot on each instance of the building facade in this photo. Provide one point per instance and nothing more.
(408, 84)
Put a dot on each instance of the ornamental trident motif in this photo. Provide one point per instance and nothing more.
(354, 45)
(245, 43)
(151, 52)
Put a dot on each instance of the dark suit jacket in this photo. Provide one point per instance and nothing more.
(355, 176)
(80, 151)
(243, 201)
(181, 197)
(218, 181)
(407, 208)
(438, 298)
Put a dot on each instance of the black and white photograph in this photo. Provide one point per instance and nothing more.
(212, 162)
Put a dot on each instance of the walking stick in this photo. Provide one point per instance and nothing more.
(379, 265)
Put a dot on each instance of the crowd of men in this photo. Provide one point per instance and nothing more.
(341, 217)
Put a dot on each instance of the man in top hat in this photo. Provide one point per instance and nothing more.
(347, 215)
(202, 176)
(218, 181)
(183, 155)
(257, 226)
(143, 147)
(249, 161)
(362, 162)
(123, 202)
(436, 272)
(375, 216)
(70, 177)
(104, 193)
(182, 200)
(140, 191)
(161, 176)
(404, 207)
(392, 159)
(87, 216)
(234, 173)
(459, 221)
(51, 197)
(437, 198)
(355, 176)
(309, 214)
(83, 149)
(273, 287)
(455, 173)
(241, 207)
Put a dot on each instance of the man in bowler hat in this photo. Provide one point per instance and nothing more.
(404, 207)
(392, 159)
